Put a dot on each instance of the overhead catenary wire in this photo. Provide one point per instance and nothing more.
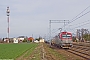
(73, 29)
(75, 18)
(78, 18)
(79, 14)
(85, 23)
(81, 23)
(55, 31)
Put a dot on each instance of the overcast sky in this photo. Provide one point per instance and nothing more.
(29, 17)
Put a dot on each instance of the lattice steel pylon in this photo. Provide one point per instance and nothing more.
(56, 21)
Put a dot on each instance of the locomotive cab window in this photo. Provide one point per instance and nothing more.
(66, 36)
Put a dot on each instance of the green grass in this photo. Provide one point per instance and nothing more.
(56, 54)
(12, 51)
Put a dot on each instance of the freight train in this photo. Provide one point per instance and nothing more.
(63, 40)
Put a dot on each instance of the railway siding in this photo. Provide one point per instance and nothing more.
(81, 49)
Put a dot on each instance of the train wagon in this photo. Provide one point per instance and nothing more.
(63, 40)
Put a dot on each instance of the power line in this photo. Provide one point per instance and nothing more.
(81, 25)
(80, 16)
(81, 22)
(84, 23)
(75, 18)
(80, 13)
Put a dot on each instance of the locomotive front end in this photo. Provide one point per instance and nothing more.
(66, 40)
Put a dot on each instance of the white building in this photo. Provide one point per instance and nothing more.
(36, 41)
(15, 40)
(41, 40)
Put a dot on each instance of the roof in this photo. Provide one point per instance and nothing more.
(21, 37)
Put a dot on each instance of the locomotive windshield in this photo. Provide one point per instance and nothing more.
(66, 36)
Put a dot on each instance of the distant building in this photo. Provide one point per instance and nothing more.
(21, 38)
(15, 40)
(30, 39)
(6, 40)
(41, 40)
(36, 41)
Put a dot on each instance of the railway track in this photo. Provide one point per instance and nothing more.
(80, 50)
(82, 44)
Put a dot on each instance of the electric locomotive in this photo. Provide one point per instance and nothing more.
(63, 40)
